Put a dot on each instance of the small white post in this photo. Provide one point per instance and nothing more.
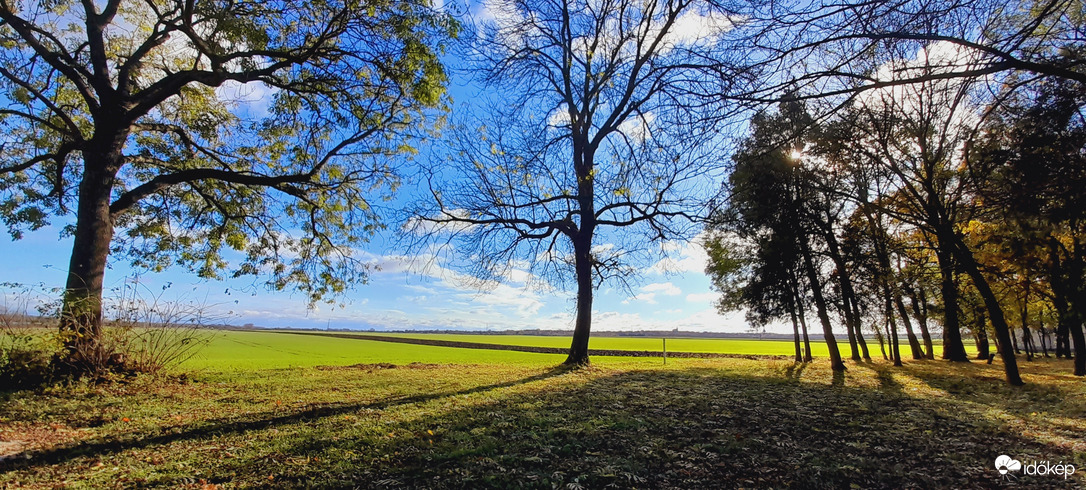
(665, 350)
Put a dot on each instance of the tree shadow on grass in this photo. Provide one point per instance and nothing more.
(235, 426)
(986, 385)
(695, 428)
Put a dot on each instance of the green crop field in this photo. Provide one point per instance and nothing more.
(241, 350)
(722, 346)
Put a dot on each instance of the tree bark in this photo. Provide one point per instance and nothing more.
(980, 332)
(847, 295)
(802, 317)
(882, 342)
(983, 351)
(582, 247)
(1027, 338)
(953, 348)
(915, 298)
(578, 350)
(969, 265)
(891, 325)
(795, 321)
(914, 343)
(820, 303)
(81, 313)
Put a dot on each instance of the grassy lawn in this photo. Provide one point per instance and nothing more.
(271, 410)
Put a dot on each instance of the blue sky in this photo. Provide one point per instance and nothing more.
(403, 292)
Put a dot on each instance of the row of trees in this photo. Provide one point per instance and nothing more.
(916, 195)
(606, 139)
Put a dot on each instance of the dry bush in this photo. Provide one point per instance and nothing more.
(142, 334)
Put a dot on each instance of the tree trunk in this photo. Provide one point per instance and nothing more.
(802, 317)
(914, 343)
(1043, 335)
(81, 314)
(891, 325)
(1074, 273)
(578, 350)
(820, 303)
(953, 348)
(1079, 342)
(795, 334)
(882, 342)
(1027, 338)
(980, 332)
(1063, 320)
(983, 351)
(847, 295)
(964, 257)
(915, 298)
(1067, 297)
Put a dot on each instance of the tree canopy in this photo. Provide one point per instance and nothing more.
(131, 117)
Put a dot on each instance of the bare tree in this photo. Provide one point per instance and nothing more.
(602, 139)
(917, 134)
(835, 48)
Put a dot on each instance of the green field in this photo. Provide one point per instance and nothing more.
(722, 346)
(279, 410)
(243, 350)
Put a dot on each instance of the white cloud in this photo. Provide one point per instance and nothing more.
(523, 302)
(647, 298)
(707, 320)
(664, 288)
(559, 118)
(703, 297)
(650, 291)
(691, 258)
(423, 226)
(638, 128)
(253, 97)
(694, 28)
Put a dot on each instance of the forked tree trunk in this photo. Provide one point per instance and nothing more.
(995, 311)
(795, 331)
(891, 325)
(847, 296)
(953, 348)
(802, 318)
(820, 303)
(914, 343)
(922, 318)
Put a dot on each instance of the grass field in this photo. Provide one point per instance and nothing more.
(722, 346)
(233, 350)
(272, 410)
